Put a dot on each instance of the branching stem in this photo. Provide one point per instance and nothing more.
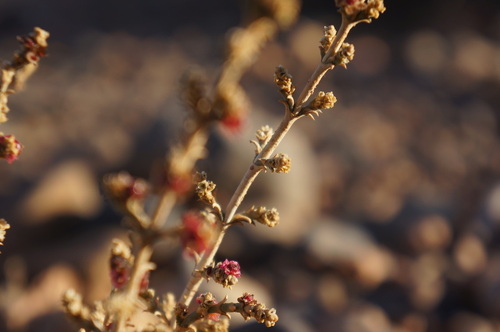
(254, 170)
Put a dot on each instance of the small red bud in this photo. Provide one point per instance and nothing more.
(10, 148)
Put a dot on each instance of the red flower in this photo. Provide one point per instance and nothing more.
(247, 299)
(231, 268)
(197, 233)
(10, 148)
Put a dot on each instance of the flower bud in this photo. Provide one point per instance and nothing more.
(360, 10)
(10, 148)
(123, 188)
(3, 227)
(280, 163)
(120, 264)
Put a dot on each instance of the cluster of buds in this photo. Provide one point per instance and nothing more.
(209, 308)
(251, 308)
(322, 101)
(15, 72)
(204, 188)
(344, 55)
(89, 318)
(360, 10)
(197, 232)
(74, 307)
(34, 47)
(127, 194)
(225, 273)
(207, 301)
(4, 225)
(263, 136)
(327, 39)
(10, 148)
(280, 163)
(120, 266)
(205, 191)
(261, 214)
(284, 82)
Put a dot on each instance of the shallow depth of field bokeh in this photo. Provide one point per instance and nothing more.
(390, 217)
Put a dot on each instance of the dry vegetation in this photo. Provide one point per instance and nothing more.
(390, 214)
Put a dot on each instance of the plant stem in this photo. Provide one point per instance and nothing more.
(324, 65)
(254, 170)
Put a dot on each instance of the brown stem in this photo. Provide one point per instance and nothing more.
(254, 170)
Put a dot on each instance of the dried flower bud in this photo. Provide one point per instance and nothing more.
(267, 316)
(225, 273)
(3, 227)
(206, 301)
(127, 194)
(34, 46)
(263, 136)
(344, 55)
(122, 187)
(252, 308)
(360, 10)
(204, 189)
(263, 215)
(322, 101)
(120, 263)
(197, 232)
(247, 299)
(284, 81)
(7, 75)
(327, 39)
(280, 163)
(10, 148)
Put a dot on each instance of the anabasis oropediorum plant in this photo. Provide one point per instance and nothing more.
(13, 75)
(201, 232)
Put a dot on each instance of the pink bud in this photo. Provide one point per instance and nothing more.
(231, 268)
(10, 148)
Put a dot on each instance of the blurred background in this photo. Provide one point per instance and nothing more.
(390, 217)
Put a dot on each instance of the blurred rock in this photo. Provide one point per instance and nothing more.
(366, 318)
(70, 188)
(470, 254)
(469, 322)
(431, 232)
(427, 283)
(349, 246)
(42, 296)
